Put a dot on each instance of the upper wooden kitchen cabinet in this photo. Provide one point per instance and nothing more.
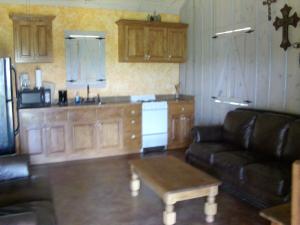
(32, 38)
(142, 41)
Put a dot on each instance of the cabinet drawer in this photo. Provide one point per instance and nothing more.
(109, 113)
(178, 108)
(31, 118)
(82, 115)
(133, 111)
(56, 116)
(132, 140)
(133, 123)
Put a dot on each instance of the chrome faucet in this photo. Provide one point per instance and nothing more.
(88, 93)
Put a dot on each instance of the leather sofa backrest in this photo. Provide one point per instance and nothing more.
(238, 127)
(270, 133)
(291, 151)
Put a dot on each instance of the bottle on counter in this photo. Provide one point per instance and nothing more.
(77, 98)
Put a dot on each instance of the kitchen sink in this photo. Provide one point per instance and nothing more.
(91, 101)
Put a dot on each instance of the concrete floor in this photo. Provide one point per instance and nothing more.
(96, 192)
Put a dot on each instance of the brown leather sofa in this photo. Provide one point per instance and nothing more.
(24, 199)
(252, 153)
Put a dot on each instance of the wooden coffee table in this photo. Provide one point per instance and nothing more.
(175, 181)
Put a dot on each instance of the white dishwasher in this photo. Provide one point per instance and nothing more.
(154, 124)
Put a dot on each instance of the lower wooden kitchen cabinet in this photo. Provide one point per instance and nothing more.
(61, 134)
(81, 132)
(181, 121)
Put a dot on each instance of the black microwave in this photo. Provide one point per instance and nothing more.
(34, 98)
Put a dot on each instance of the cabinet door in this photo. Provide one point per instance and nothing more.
(56, 138)
(156, 44)
(31, 140)
(134, 43)
(110, 134)
(23, 41)
(43, 41)
(83, 136)
(180, 130)
(177, 41)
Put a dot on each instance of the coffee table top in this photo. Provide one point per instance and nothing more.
(169, 174)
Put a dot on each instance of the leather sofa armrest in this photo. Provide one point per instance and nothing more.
(14, 167)
(207, 134)
(25, 218)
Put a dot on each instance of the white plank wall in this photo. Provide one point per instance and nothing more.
(247, 66)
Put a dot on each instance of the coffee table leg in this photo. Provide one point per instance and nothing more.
(135, 184)
(169, 215)
(211, 206)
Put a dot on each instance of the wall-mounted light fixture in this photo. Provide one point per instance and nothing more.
(230, 101)
(73, 36)
(246, 30)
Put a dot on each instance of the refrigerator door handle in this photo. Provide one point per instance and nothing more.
(16, 131)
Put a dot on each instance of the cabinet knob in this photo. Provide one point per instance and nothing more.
(170, 56)
(132, 121)
(132, 112)
(182, 109)
(133, 136)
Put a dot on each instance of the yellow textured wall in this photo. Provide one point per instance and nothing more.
(122, 78)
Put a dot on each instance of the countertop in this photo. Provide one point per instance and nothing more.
(116, 100)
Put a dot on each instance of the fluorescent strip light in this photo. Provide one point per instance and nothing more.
(231, 102)
(246, 29)
(83, 36)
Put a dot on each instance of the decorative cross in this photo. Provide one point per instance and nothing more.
(285, 22)
(269, 3)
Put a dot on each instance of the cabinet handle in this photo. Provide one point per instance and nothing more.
(132, 112)
(133, 136)
(170, 56)
(132, 121)
(173, 130)
(182, 109)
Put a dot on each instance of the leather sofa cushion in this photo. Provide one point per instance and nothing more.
(24, 218)
(291, 150)
(271, 177)
(206, 151)
(270, 134)
(17, 191)
(43, 211)
(233, 163)
(13, 167)
(238, 127)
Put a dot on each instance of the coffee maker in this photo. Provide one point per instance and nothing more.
(62, 97)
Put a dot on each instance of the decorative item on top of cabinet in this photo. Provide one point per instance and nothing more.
(32, 38)
(142, 41)
(181, 121)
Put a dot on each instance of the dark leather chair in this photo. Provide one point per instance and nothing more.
(252, 153)
(24, 199)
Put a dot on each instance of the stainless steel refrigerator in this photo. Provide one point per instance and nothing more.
(8, 127)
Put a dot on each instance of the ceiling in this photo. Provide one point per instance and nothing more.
(160, 6)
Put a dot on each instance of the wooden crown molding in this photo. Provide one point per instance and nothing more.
(32, 17)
